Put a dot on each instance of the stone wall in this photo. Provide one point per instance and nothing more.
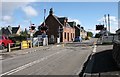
(116, 52)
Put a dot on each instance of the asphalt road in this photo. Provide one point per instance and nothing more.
(51, 60)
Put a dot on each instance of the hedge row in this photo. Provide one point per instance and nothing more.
(18, 38)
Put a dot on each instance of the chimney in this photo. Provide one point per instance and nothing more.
(51, 11)
(78, 25)
(19, 26)
(82, 28)
(66, 19)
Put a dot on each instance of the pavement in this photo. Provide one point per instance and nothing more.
(101, 63)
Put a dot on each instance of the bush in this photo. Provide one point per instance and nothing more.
(18, 38)
(86, 38)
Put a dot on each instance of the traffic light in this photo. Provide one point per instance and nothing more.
(32, 27)
(99, 27)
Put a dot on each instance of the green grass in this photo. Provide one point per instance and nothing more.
(107, 43)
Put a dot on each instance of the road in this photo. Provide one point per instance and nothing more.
(52, 60)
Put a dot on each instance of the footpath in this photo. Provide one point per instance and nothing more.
(101, 63)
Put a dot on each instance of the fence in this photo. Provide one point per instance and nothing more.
(22, 45)
(27, 44)
(13, 47)
(107, 39)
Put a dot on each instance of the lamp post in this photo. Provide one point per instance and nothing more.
(44, 29)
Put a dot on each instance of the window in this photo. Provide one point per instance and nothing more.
(65, 35)
(71, 36)
(68, 36)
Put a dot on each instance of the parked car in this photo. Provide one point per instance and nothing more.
(4, 41)
(78, 39)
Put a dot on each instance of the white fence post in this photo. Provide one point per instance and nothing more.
(38, 43)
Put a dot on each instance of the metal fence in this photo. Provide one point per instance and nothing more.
(107, 39)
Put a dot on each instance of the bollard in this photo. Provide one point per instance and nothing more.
(8, 48)
(31, 44)
(38, 43)
(62, 45)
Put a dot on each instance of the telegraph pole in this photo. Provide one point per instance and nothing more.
(109, 22)
(45, 39)
(31, 34)
(105, 21)
(44, 16)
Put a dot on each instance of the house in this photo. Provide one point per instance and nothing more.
(116, 49)
(16, 30)
(59, 26)
(83, 33)
(118, 33)
(79, 31)
(8, 31)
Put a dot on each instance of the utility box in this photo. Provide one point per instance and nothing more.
(25, 44)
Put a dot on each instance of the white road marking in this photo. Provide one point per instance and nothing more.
(0, 57)
(28, 65)
(94, 49)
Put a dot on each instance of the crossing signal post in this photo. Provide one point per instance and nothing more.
(44, 29)
(32, 29)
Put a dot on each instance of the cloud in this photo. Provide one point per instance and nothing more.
(7, 11)
(30, 11)
(112, 18)
(71, 20)
(76, 20)
(8, 8)
(7, 19)
(113, 23)
(119, 23)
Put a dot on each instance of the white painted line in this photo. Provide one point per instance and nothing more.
(94, 49)
(0, 57)
(28, 65)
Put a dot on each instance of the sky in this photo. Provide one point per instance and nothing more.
(87, 14)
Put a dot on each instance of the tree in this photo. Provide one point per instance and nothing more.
(24, 33)
(89, 34)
